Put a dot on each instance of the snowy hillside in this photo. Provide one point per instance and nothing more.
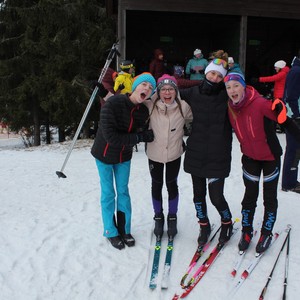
(51, 243)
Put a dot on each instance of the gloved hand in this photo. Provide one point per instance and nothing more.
(145, 136)
(254, 80)
(280, 109)
(102, 92)
(297, 121)
(121, 86)
(192, 71)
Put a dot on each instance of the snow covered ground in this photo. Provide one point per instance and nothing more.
(51, 243)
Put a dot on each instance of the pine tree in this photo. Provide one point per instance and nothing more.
(49, 51)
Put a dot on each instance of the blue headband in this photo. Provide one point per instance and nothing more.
(237, 77)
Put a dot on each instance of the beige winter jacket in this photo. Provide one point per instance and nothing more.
(167, 124)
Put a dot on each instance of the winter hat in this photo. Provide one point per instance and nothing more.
(197, 51)
(218, 65)
(126, 64)
(166, 79)
(144, 77)
(237, 77)
(280, 64)
(230, 60)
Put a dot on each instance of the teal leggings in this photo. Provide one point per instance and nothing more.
(112, 200)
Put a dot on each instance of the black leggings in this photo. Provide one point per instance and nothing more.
(157, 175)
(216, 194)
(251, 174)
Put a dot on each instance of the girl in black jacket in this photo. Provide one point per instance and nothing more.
(208, 151)
(121, 126)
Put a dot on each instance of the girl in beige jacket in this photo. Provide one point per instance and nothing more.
(167, 118)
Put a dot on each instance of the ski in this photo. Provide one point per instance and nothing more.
(167, 265)
(250, 268)
(155, 264)
(198, 253)
(201, 271)
(238, 262)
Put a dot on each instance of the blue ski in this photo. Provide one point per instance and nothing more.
(155, 265)
(167, 265)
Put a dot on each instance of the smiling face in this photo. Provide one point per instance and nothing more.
(142, 92)
(167, 94)
(235, 91)
(214, 76)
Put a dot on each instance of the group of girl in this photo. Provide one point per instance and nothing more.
(155, 113)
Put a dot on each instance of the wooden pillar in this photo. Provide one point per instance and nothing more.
(243, 42)
(121, 32)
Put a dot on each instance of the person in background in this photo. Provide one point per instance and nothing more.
(157, 65)
(279, 78)
(292, 151)
(167, 118)
(252, 117)
(124, 80)
(196, 66)
(123, 124)
(208, 149)
(233, 66)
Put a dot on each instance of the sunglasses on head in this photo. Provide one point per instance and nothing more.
(219, 61)
(232, 77)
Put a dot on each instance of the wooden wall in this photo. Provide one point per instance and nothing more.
(289, 9)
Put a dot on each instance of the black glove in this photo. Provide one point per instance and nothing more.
(102, 92)
(145, 136)
(121, 86)
(254, 80)
(192, 71)
(297, 121)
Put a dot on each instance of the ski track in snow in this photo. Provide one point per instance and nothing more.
(51, 243)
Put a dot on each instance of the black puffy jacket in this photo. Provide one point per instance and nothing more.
(208, 151)
(120, 119)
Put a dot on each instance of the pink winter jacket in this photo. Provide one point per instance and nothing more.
(167, 124)
(279, 81)
(248, 124)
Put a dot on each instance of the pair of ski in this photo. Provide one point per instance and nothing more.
(167, 264)
(254, 262)
(203, 268)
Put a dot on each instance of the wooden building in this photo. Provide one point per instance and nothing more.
(256, 33)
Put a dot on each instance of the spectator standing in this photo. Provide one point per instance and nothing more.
(292, 150)
(157, 65)
(123, 124)
(233, 66)
(196, 66)
(124, 80)
(167, 118)
(279, 78)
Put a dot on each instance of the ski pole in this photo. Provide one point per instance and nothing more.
(110, 57)
(286, 267)
(264, 290)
